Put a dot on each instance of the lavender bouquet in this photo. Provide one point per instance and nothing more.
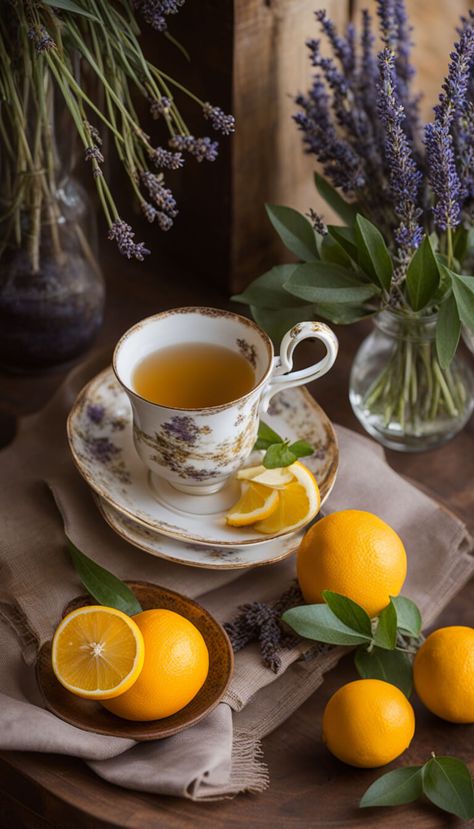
(404, 251)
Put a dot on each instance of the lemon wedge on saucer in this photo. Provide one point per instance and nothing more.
(256, 503)
(298, 503)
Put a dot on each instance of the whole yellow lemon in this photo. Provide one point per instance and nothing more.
(354, 553)
(367, 723)
(443, 672)
(174, 670)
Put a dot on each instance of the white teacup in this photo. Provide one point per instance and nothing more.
(196, 450)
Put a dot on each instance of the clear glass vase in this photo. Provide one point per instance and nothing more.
(398, 390)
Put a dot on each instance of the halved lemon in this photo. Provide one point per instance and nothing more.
(255, 503)
(276, 478)
(298, 503)
(97, 652)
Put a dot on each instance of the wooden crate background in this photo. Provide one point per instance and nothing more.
(249, 56)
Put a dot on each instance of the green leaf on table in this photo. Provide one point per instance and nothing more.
(347, 212)
(349, 612)
(386, 631)
(318, 622)
(463, 289)
(278, 455)
(390, 666)
(301, 448)
(70, 6)
(294, 230)
(394, 788)
(448, 330)
(408, 615)
(106, 588)
(267, 290)
(447, 782)
(422, 275)
(325, 282)
(276, 322)
(332, 251)
(266, 436)
(346, 238)
(373, 255)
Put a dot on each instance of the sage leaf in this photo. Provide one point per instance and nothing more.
(106, 588)
(276, 322)
(278, 455)
(266, 436)
(390, 666)
(394, 788)
(70, 6)
(386, 631)
(349, 612)
(373, 255)
(318, 622)
(408, 615)
(463, 288)
(448, 330)
(267, 290)
(342, 314)
(332, 251)
(461, 243)
(346, 238)
(294, 230)
(301, 448)
(422, 275)
(325, 282)
(447, 782)
(347, 212)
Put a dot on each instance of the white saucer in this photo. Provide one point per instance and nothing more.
(198, 555)
(101, 439)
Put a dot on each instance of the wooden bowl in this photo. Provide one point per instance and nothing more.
(91, 716)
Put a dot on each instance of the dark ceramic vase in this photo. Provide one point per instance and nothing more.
(50, 314)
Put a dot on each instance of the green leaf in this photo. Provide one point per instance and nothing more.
(332, 251)
(447, 782)
(394, 788)
(347, 212)
(277, 322)
(408, 615)
(318, 622)
(267, 290)
(373, 255)
(301, 448)
(278, 455)
(342, 314)
(106, 588)
(460, 243)
(346, 238)
(266, 436)
(349, 612)
(422, 275)
(294, 230)
(463, 288)
(391, 666)
(386, 631)
(448, 330)
(70, 6)
(323, 282)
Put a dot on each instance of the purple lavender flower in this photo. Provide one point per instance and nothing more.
(163, 158)
(396, 35)
(343, 47)
(203, 149)
(153, 215)
(156, 11)
(42, 39)
(93, 152)
(160, 106)
(161, 195)
(122, 233)
(318, 222)
(219, 120)
(464, 140)
(440, 155)
(405, 178)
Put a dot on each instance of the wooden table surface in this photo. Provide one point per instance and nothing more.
(308, 787)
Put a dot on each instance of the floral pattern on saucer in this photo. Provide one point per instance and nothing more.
(100, 433)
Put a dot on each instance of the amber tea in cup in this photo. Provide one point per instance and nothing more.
(193, 376)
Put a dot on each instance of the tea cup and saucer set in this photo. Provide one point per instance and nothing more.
(160, 435)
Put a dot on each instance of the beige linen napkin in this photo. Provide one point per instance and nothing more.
(221, 755)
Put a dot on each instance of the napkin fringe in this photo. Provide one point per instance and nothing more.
(249, 772)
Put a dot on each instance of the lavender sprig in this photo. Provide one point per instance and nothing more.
(220, 121)
(123, 234)
(155, 12)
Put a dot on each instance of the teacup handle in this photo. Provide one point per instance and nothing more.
(283, 377)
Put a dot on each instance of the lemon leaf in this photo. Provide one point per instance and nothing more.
(447, 782)
(106, 588)
(349, 612)
(408, 615)
(386, 632)
(318, 622)
(394, 788)
(390, 666)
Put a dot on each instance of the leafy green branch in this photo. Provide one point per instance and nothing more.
(279, 452)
